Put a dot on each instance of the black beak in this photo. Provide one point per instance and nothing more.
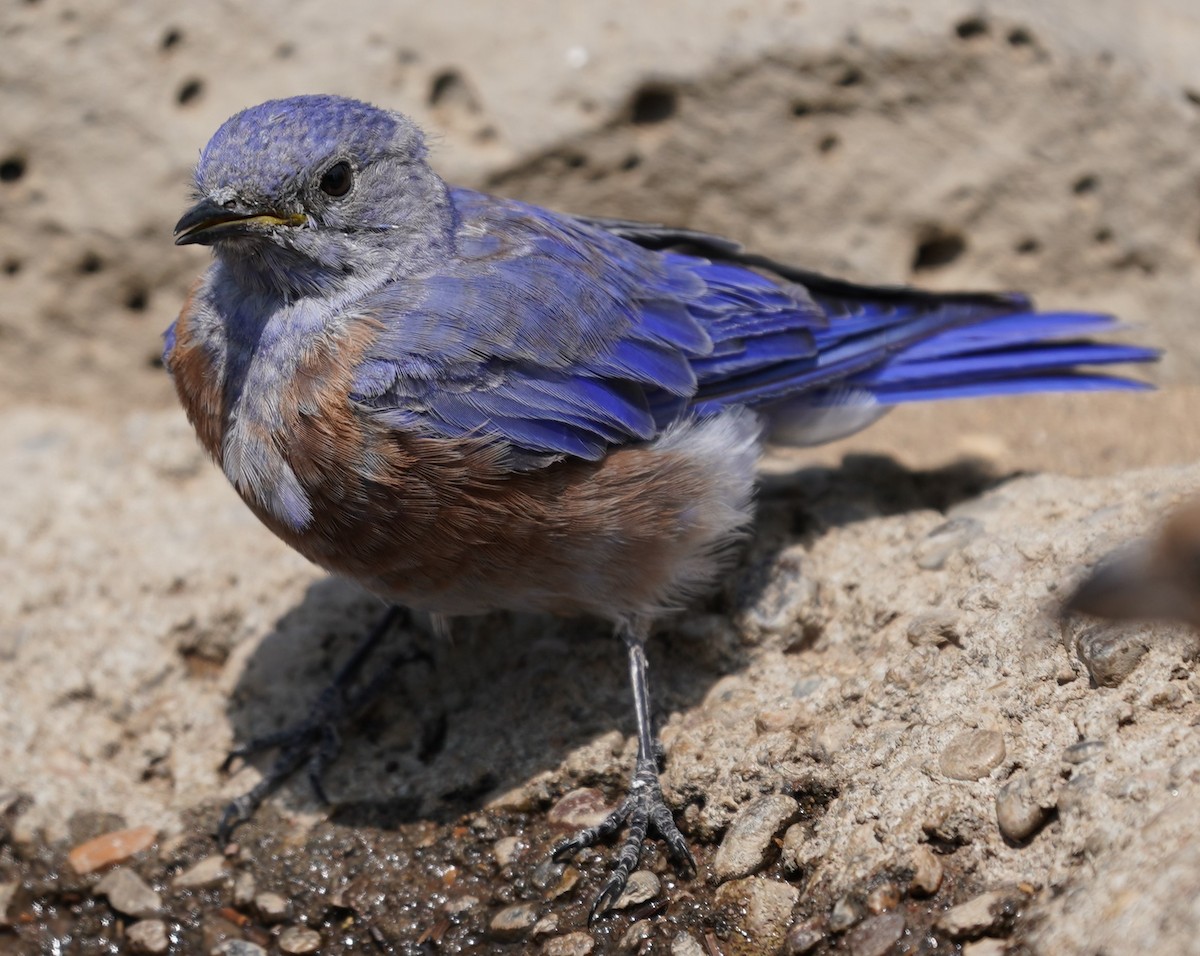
(208, 222)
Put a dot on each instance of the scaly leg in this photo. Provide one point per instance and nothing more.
(644, 809)
(314, 740)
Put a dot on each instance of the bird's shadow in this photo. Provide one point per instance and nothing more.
(506, 697)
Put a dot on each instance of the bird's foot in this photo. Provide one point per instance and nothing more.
(644, 810)
(314, 740)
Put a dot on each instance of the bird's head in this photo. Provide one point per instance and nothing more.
(313, 193)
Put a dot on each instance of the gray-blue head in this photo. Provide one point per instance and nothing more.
(315, 193)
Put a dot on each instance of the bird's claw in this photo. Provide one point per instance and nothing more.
(643, 811)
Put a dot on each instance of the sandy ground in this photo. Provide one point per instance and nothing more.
(888, 656)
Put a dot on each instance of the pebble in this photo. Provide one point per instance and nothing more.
(1110, 654)
(296, 940)
(642, 887)
(749, 843)
(1018, 814)
(109, 849)
(804, 937)
(546, 926)
(579, 809)
(244, 889)
(8, 890)
(505, 850)
(844, 913)
(238, 947)
(972, 754)
(935, 629)
(886, 896)
(684, 944)
(768, 908)
(209, 872)
(148, 936)
(927, 871)
(514, 922)
(639, 931)
(876, 935)
(935, 549)
(272, 907)
(572, 944)
(984, 914)
(128, 893)
(460, 904)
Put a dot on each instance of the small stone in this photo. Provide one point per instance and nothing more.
(572, 944)
(684, 944)
(128, 893)
(546, 926)
(642, 887)
(935, 629)
(1083, 751)
(768, 908)
(1018, 814)
(460, 904)
(272, 907)
(244, 888)
(238, 947)
(886, 896)
(566, 883)
(109, 849)
(844, 913)
(639, 931)
(505, 850)
(972, 754)
(932, 553)
(876, 935)
(547, 874)
(148, 936)
(514, 922)
(1110, 654)
(804, 937)
(8, 890)
(749, 843)
(927, 872)
(984, 914)
(209, 872)
(579, 809)
(296, 940)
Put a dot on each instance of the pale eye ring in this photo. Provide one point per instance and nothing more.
(337, 179)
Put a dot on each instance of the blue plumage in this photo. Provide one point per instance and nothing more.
(562, 336)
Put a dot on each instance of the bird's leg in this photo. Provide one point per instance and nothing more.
(643, 810)
(315, 739)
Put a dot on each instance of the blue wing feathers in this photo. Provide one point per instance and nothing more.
(561, 336)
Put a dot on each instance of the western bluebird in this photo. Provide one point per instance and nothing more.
(468, 403)
(1157, 579)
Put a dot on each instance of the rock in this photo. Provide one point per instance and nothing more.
(985, 914)
(8, 890)
(244, 888)
(748, 845)
(505, 850)
(572, 944)
(884, 897)
(972, 754)
(768, 908)
(546, 926)
(804, 937)
(238, 947)
(632, 939)
(297, 940)
(927, 871)
(876, 935)
(642, 887)
(203, 875)
(109, 849)
(514, 922)
(935, 549)
(935, 629)
(1110, 653)
(271, 907)
(684, 944)
(579, 809)
(1018, 813)
(128, 893)
(845, 912)
(148, 936)
(986, 947)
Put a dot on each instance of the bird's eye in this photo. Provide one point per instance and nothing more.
(337, 179)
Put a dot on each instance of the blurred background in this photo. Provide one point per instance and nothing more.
(1053, 148)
